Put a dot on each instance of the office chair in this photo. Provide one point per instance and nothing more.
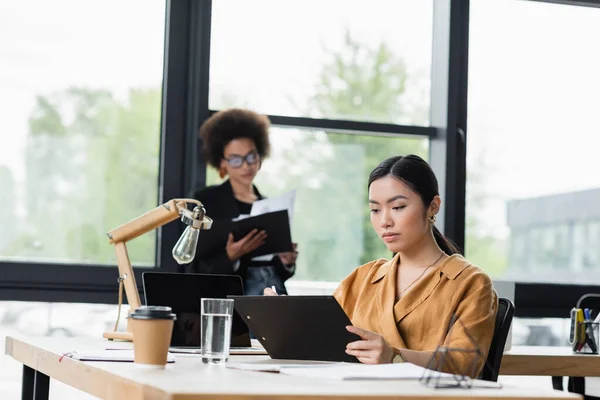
(506, 311)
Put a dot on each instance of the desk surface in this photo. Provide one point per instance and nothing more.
(189, 379)
(548, 361)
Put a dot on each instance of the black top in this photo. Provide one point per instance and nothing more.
(220, 203)
(244, 208)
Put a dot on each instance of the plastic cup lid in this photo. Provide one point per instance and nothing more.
(152, 312)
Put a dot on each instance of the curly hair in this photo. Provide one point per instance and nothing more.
(227, 125)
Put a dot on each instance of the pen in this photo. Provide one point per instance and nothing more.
(273, 289)
(582, 330)
(590, 338)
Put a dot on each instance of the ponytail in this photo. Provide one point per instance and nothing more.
(445, 244)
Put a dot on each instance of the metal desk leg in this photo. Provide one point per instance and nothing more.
(28, 383)
(42, 386)
(35, 386)
(557, 383)
(577, 385)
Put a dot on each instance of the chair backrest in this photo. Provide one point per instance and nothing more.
(506, 311)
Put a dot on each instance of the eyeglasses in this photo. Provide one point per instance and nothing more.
(236, 161)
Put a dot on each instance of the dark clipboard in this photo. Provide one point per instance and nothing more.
(276, 224)
(298, 327)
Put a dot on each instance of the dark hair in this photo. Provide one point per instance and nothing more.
(418, 175)
(227, 125)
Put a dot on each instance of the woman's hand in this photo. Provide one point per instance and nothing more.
(253, 240)
(372, 349)
(270, 292)
(289, 258)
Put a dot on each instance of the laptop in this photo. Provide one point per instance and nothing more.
(298, 327)
(182, 292)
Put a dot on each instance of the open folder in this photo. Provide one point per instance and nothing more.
(276, 224)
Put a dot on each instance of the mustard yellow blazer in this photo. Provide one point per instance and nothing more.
(420, 319)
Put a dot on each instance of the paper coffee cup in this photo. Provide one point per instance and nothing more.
(152, 329)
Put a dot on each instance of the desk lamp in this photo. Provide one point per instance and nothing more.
(183, 252)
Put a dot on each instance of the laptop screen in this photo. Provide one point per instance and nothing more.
(182, 292)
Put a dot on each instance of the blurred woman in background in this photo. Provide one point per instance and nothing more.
(235, 143)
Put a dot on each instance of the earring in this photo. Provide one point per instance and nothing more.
(432, 219)
(222, 172)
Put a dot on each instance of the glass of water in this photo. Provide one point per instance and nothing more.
(216, 315)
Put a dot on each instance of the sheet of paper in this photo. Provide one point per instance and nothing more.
(107, 355)
(283, 202)
(241, 217)
(349, 371)
(277, 366)
(266, 257)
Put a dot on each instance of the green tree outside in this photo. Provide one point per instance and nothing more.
(363, 82)
(91, 164)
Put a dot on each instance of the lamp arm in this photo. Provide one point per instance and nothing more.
(149, 221)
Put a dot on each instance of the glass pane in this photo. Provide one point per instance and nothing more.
(540, 331)
(330, 172)
(533, 184)
(292, 58)
(82, 89)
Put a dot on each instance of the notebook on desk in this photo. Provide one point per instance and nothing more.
(125, 355)
(298, 327)
(182, 292)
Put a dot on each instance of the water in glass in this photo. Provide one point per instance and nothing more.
(216, 335)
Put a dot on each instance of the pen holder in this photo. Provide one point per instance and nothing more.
(587, 338)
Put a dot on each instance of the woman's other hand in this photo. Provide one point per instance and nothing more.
(253, 240)
(372, 349)
(270, 291)
(290, 257)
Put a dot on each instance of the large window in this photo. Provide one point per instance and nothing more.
(81, 94)
(327, 60)
(532, 145)
(303, 58)
(330, 173)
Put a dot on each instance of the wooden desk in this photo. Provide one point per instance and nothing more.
(549, 361)
(189, 379)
